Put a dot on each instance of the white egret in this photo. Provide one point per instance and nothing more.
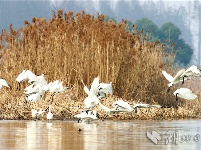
(25, 75)
(173, 80)
(185, 93)
(98, 89)
(103, 89)
(87, 115)
(38, 80)
(94, 87)
(37, 114)
(54, 87)
(3, 83)
(191, 71)
(122, 106)
(33, 97)
(49, 114)
(90, 102)
(35, 89)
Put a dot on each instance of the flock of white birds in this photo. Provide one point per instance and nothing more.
(39, 86)
(180, 77)
(100, 90)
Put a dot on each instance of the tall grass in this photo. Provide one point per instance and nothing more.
(71, 47)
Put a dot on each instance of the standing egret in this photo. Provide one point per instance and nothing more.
(49, 114)
(37, 114)
(185, 93)
(173, 80)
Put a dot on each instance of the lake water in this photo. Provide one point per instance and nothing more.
(103, 135)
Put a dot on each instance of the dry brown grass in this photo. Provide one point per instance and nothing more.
(71, 47)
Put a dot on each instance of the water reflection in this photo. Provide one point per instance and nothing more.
(98, 135)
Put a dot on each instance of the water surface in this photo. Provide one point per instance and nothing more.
(112, 135)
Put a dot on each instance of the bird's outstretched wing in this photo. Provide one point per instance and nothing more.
(179, 73)
(94, 86)
(167, 76)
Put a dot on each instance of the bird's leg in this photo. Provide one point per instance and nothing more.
(52, 98)
(18, 86)
(177, 97)
(135, 109)
(168, 89)
(183, 79)
(79, 120)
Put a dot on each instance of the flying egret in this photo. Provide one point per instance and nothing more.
(90, 102)
(87, 115)
(55, 87)
(98, 89)
(185, 93)
(173, 80)
(34, 89)
(37, 114)
(3, 83)
(122, 106)
(49, 114)
(25, 75)
(103, 89)
(191, 71)
(94, 87)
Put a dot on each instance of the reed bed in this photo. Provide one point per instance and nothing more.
(74, 47)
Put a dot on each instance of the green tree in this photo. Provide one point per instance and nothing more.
(148, 27)
(183, 52)
(169, 32)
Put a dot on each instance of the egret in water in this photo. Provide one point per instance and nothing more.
(185, 93)
(3, 83)
(25, 75)
(173, 80)
(49, 114)
(86, 115)
(37, 114)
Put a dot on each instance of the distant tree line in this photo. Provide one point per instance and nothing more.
(168, 33)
